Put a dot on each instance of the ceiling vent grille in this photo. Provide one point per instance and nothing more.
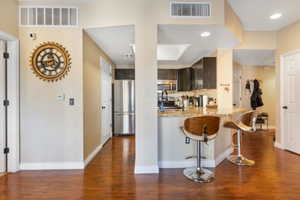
(190, 9)
(48, 16)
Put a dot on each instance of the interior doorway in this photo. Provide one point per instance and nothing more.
(290, 101)
(3, 109)
(106, 100)
(9, 103)
(114, 51)
(256, 67)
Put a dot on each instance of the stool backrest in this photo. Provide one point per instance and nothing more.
(196, 125)
(247, 118)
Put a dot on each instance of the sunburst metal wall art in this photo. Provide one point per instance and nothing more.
(50, 61)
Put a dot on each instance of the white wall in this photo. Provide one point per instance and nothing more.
(224, 79)
(145, 15)
(146, 160)
(288, 40)
(9, 16)
(92, 95)
(259, 40)
(267, 76)
(51, 130)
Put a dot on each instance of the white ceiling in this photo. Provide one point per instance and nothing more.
(199, 47)
(255, 14)
(247, 57)
(171, 52)
(117, 41)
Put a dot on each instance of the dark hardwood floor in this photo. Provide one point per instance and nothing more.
(276, 176)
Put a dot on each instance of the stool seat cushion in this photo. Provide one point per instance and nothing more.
(245, 122)
(237, 126)
(263, 114)
(195, 127)
(196, 137)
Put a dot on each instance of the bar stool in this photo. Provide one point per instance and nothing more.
(200, 129)
(245, 124)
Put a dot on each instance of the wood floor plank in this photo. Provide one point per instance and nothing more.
(110, 175)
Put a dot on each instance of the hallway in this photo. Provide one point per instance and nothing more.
(110, 176)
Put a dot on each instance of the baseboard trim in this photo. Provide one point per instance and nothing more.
(192, 162)
(92, 155)
(223, 156)
(185, 163)
(52, 166)
(146, 169)
(105, 141)
(278, 145)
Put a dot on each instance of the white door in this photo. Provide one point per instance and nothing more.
(2, 108)
(106, 100)
(291, 102)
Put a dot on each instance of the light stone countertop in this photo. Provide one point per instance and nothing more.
(195, 112)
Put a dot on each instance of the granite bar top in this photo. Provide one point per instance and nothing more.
(196, 112)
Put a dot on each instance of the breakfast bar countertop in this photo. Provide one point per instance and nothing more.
(170, 135)
(194, 112)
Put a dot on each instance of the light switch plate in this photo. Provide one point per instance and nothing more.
(61, 97)
(71, 101)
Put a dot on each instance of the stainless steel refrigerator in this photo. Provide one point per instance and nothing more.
(124, 107)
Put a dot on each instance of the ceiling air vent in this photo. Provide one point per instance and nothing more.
(48, 16)
(190, 9)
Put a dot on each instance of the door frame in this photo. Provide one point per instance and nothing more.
(13, 78)
(282, 134)
(102, 59)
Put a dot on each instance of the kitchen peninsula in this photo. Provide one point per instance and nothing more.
(173, 148)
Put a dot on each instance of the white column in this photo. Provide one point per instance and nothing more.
(146, 154)
(225, 79)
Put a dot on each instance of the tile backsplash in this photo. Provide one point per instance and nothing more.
(208, 92)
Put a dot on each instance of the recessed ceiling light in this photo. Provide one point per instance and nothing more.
(276, 16)
(205, 34)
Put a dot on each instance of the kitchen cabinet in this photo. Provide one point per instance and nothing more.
(167, 74)
(124, 74)
(210, 73)
(198, 75)
(184, 80)
(204, 74)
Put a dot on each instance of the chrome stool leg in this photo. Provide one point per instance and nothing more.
(199, 174)
(239, 159)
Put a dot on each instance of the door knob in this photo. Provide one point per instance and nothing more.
(103, 107)
(285, 107)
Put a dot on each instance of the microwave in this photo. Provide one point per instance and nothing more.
(169, 85)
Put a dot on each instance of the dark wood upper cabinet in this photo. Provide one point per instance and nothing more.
(167, 74)
(184, 81)
(198, 75)
(202, 75)
(210, 73)
(124, 74)
(205, 74)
